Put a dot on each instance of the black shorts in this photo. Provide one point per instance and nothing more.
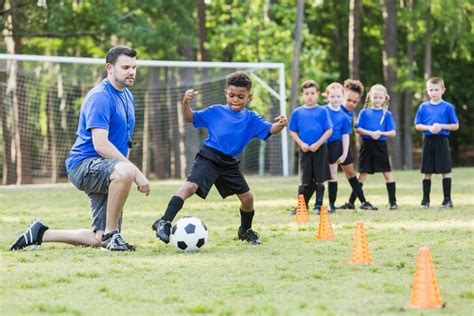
(334, 151)
(315, 166)
(211, 167)
(374, 156)
(436, 157)
(349, 158)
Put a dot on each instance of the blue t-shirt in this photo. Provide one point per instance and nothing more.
(230, 131)
(373, 119)
(310, 123)
(441, 113)
(349, 113)
(340, 122)
(107, 108)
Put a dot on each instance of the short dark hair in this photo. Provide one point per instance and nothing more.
(239, 79)
(354, 85)
(115, 52)
(309, 84)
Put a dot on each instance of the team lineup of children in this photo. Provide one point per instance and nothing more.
(321, 132)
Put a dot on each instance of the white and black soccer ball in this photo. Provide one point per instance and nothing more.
(189, 234)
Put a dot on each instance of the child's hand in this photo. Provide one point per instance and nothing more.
(435, 128)
(314, 147)
(189, 95)
(375, 135)
(341, 159)
(304, 147)
(281, 120)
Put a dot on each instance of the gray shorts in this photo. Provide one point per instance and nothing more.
(92, 175)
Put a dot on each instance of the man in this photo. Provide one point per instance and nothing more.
(97, 163)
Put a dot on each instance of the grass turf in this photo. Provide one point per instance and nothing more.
(290, 274)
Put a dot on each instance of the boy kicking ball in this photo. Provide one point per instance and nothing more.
(230, 127)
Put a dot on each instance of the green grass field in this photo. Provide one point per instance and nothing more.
(290, 274)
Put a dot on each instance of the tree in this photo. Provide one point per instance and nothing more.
(355, 8)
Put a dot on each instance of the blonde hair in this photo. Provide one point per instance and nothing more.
(435, 80)
(385, 103)
(332, 86)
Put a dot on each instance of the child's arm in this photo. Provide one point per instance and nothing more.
(280, 123)
(186, 108)
(345, 148)
(390, 134)
(315, 146)
(304, 147)
(448, 127)
(362, 131)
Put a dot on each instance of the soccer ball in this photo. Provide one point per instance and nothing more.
(189, 234)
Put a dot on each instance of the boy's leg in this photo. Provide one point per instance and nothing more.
(447, 203)
(247, 213)
(332, 188)
(356, 187)
(319, 196)
(425, 202)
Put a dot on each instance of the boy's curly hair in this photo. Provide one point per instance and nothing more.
(354, 85)
(239, 79)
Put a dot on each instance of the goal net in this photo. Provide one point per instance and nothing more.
(41, 97)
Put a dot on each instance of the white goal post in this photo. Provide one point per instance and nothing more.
(52, 89)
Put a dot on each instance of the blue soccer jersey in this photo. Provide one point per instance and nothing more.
(441, 113)
(340, 122)
(349, 113)
(310, 123)
(230, 131)
(106, 108)
(372, 119)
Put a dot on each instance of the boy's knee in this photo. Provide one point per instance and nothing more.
(246, 198)
(124, 171)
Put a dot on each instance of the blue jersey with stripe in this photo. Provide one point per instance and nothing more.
(376, 119)
(441, 113)
(310, 123)
(341, 124)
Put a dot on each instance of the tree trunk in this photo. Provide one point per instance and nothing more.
(295, 74)
(202, 31)
(389, 57)
(50, 101)
(408, 98)
(355, 9)
(429, 29)
(8, 172)
(176, 123)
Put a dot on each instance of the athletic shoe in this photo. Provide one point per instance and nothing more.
(113, 241)
(332, 209)
(292, 212)
(447, 203)
(249, 235)
(162, 229)
(425, 203)
(347, 206)
(316, 210)
(32, 236)
(393, 206)
(366, 206)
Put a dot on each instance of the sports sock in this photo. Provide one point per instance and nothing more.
(174, 205)
(357, 189)
(319, 193)
(246, 219)
(391, 189)
(426, 189)
(353, 196)
(447, 188)
(332, 188)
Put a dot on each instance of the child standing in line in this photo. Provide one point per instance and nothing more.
(353, 91)
(338, 142)
(436, 119)
(310, 127)
(230, 127)
(375, 124)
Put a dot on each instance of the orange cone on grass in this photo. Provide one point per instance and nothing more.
(360, 246)
(325, 231)
(425, 291)
(301, 216)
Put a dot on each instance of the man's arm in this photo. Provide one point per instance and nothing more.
(186, 108)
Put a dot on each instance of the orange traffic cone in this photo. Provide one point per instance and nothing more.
(325, 229)
(425, 290)
(301, 211)
(360, 246)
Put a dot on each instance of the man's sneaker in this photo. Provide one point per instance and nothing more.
(113, 241)
(347, 206)
(425, 203)
(393, 206)
(447, 203)
(249, 235)
(332, 209)
(366, 206)
(32, 236)
(162, 229)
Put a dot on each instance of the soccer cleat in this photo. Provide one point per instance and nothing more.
(162, 229)
(393, 206)
(32, 236)
(425, 203)
(447, 203)
(113, 241)
(249, 235)
(347, 206)
(366, 206)
(292, 212)
(332, 209)
(316, 210)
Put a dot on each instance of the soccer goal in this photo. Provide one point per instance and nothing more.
(41, 96)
